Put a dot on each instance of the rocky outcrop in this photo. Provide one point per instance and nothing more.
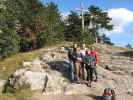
(74, 89)
(49, 73)
(2, 83)
(43, 73)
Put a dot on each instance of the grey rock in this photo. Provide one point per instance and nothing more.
(73, 89)
(2, 83)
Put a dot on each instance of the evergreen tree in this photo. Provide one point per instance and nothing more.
(73, 27)
(97, 19)
(105, 39)
(53, 24)
(9, 39)
(9, 43)
(129, 46)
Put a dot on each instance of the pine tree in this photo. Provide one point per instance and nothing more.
(98, 20)
(129, 46)
(73, 27)
(9, 39)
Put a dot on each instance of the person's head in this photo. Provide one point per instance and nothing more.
(75, 45)
(78, 49)
(88, 51)
(92, 48)
(83, 45)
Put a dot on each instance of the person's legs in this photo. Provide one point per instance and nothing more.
(77, 66)
(88, 72)
(95, 72)
(82, 71)
(71, 71)
(91, 74)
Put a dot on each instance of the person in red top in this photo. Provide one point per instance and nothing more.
(94, 53)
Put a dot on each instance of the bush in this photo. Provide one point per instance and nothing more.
(42, 39)
(46, 39)
(9, 43)
(87, 38)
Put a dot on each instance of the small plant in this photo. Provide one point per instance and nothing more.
(8, 88)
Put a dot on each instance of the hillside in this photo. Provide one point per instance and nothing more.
(115, 70)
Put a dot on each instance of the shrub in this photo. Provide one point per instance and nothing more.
(9, 43)
(87, 38)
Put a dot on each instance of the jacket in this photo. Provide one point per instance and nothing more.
(89, 60)
(95, 54)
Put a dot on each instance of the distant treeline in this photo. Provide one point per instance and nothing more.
(30, 24)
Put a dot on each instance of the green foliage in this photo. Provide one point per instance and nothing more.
(129, 46)
(9, 43)
(42, 39)
(50, 40)
(27, 21)
(9, 39)
(98, 20)
(8, 88)
(106, 39)
(73, 27)
(53, 18)
(30, 24)
(87, 38)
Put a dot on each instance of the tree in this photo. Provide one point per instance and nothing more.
(20, 16)
(54, 26)
(105, 39)
(9, 39)
(9, 43)
(73, 27)
(129, 46)
(97, 19)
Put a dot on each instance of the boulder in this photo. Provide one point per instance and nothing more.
(26, 63)
(36, 65)
(2, 83)
(36, 80)
(23, 78)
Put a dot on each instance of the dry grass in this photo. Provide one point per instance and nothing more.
(18, 95)
(11, 64)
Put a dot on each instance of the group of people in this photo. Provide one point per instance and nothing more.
(83, 60)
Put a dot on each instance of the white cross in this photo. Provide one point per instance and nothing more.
(82, 13)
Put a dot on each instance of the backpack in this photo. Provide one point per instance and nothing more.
(109, 94)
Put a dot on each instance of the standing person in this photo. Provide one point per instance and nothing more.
(95, 54)
(71, 53)
(77, 61)
(83, 53)
(89, 61)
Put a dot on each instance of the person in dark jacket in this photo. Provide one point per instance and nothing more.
(71, 53)
(89, 61)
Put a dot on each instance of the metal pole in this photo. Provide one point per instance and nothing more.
(82, 13)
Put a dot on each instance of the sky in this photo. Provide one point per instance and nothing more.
(121, 12)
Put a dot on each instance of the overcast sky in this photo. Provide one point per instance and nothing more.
(121, 12)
